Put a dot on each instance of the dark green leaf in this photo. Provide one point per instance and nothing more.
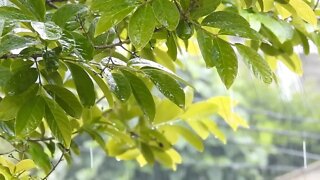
(141, 94)
(141, 26)
(184, 30)
(225, 60)
(166, 13)
(167, 86)
(47, 31)
(21, 81)
(138, 62)
(224, 19)
(305, 43)
(36, 8)
(67, 13)
(201, 8)
(257, 64)
(147, 153)
(101, 83)
(30, 116)
(84, 85)
(66, 99)
(206, 46)
(58, 122)
(11, 42)
(83, 47)
(119, 85)
(172, 47)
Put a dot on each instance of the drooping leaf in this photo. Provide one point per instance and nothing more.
(58, 122)
(11, 42)
(66, 99)
(84, 85)
(67, 13)
(166, 13)
(172, 47)
(109, 7)
(102, 84)
(47, 30)
(29, 116)
(225, 60)
(201, 8)
(256, 63)
(141, 26)
(21, 81)
(24, 165)
(141, 94)
(119, 85)
(142, 63)
(206, 45)
(167, 86)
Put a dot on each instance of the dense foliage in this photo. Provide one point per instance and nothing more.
(107, 68)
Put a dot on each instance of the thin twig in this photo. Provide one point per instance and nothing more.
(109, 46)
(54, 167)
(42, 139)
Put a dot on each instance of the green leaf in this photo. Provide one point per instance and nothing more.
(206, 45)
(102, 84)
(242, 31)
(141, 94)
(83, 47)
(5, 75)
(184, 30)
(109, 7)
(11, 42)
(66, 99)
(167, 86)
(214, 129)
(84, 85)
(142, 63)
(36, 8)
(39, 156)
(119, 85)
(58, 122)
(224, 19)
(147, 153)
(21, 81)
(256, 63)
(201, 8)
(172, 47)
(304, 11)
(166, 13)
(24, 165)
(10, 105)
(141, 26)
(166, 112)
(47, 31)
(108, 20)
(277, 27)
(188, 135)
(11, 13)
(67, 14)
(30, 116)
(225, 60)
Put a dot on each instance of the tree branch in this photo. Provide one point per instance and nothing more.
(109, 46)
(54, 167)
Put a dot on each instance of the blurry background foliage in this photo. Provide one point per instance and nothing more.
(126, 75)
